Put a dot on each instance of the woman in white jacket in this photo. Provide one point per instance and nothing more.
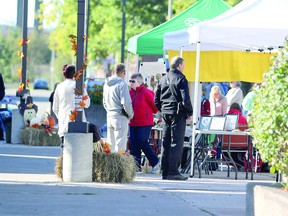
(234, 95)
(64, 100)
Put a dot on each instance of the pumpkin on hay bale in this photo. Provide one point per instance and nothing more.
(41, 132)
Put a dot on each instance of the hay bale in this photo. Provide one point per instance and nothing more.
(38, 137)
(59, 167)
(120, 168)
(107, 168)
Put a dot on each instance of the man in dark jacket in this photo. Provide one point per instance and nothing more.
(2, 95)
(173, 100)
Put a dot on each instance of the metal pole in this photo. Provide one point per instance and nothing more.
(79, 126)
(80, 48)
(24, 46)
(195, 107)
(123, 29)
(19, 13)
(170, 2)
(24, 91)
(87, 32)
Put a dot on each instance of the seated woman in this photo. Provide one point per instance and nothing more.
(238, 157)
(236, 109)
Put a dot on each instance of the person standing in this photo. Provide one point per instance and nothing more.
(64, 100)
(218, 102)
(218, 105)
(173, 100)
(117, 103)
(142, 122)
(248, 100)
(2, 95)
(234, 95)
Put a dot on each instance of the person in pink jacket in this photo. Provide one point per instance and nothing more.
(218, 102)
(142, 121)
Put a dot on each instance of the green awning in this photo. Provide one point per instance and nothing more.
(151, 41)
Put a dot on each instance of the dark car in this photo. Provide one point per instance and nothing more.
(41, 84)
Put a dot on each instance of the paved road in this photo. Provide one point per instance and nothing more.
(28, 186)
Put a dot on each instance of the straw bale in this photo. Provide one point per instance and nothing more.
(38, 137)
(118, 168)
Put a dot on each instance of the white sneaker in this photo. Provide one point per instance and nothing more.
(156, 168)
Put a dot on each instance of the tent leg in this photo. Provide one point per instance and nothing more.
(127, 67)
(195, 106)
(137, 63)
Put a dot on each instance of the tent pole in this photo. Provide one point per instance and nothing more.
(128, 67)
(181, 51)
(195, 106)
(137, 63)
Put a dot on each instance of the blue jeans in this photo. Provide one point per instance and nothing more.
(139, 140)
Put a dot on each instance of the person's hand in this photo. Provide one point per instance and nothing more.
(189, 119)
(102, 142)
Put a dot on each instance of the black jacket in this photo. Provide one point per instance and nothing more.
(2, 87)
(165, 101)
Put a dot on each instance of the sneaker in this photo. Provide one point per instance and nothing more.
(155, 169)
(177, 177)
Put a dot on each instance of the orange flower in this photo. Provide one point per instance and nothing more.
(85, 97)
(20, 87)
(82, 104)
(73, 115)
(20, 43)
(19, 72)
(74, 46)
(20, 54)
(106, 148)
(121, 151)
(78, 74)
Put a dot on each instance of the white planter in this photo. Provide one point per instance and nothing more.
(266, 199)
(77, 157)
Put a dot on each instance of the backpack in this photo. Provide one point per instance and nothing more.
(205, 107)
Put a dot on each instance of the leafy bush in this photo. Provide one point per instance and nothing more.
(270, 114)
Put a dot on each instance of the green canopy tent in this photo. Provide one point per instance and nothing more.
(151, 41)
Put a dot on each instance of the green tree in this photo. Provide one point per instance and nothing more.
(9, 61)
(106, 21)
(180, 5)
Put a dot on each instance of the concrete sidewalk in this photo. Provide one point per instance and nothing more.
(28, 186)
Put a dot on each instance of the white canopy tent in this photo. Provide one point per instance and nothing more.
(252, 25)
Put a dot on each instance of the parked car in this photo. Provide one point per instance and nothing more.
(41, 84)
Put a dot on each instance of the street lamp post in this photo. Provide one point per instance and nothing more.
(123, 29)
(24, 90)
(79, 126)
